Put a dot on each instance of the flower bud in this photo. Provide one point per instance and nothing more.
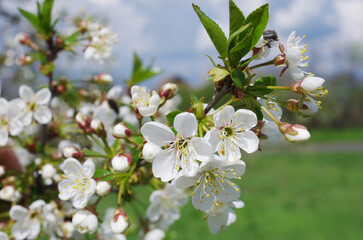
(85, 222)
(120, 221)
(9, 193)
(149, 152)
(104, 78)
(98, 128)
(83, 121)
(2, 171)
(294, 133)
(103, 188)
(121, 163)
(168, 90)
(24, 60)
(311, 83)
(48, 171)
(72, 152)
(23, 38)
(121, 130)
(280, 61)
(292, 105)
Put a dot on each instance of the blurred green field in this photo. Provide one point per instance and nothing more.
(288, 196)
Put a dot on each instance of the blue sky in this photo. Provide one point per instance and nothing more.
(170, 31)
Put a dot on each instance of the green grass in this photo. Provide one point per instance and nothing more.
(288, 196)
(336, 135)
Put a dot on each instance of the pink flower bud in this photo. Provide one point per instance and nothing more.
(121, 130)
(23, 38)
(72, 152)
(168, 90)
(83, 122)
(294, 133)
(121, 163)
(98, 128)
(120, 221)
(103, 78)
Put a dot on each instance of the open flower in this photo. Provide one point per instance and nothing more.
(9, 120)
(34, 105)
(232, 132)
(165, 204)
(179, 151)
(77, 183)
(213, 183)
(146, 102)
(221, 215)
(27, 222)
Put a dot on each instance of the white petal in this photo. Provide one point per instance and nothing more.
(72, 166)
(34, 230)
(202, 147)
(153, 212)
(43, 114)
(217, 222)
(65, 188)
(186, 124)
(91, 188)
(18, 213)
(190, 167)
(20, 231)
(229, 150)
(89, 168)
(27, 118)
(224, 116)
(80, 200)
(26, 93)
(245, 119)
(234, 170)
(296, 73)
(138, 90)
(248, 141)
(42, 97)
(164, 166)
(312, 83)
(200, 200)
(157, 133)
(4, 136)
(183, 182)
(237, 204)
(232, 217)
(15, 127)
(37, 205)
(213, 137)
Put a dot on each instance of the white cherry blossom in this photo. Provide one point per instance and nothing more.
(212, 183)
(9, 120)
(10, 194)
(165, 204)
(34, 105)
(221, 215)
(232, 132)
(295, 56)
(27, 221)
(77, 183)
(85, 222)
(146, 101)
(180, 151)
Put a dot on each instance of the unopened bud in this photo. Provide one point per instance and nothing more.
(168, 90)
(66, 229)
(85, 222)
(280, 61)
(121, 130)
(72, 152)
(294, 133)
(48, 171)
(103, 78)
(103, 188)
(120, 221)
(24, 60)
(23, 38)
(292, 105)
(9, 193)
(83, 121)
(121, 163)
(98, 128)
(150, 151)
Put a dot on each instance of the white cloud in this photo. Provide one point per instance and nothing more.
(298, 13)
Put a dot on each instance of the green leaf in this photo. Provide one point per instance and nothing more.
(236, 18)
(211, 59)
(258, 20)
(214, 31)
(33, 19)
(101, 172)
(140, 73)
(238, 78)
(241, 49)
(71, 39)
(258, 113)
(265, 81)
(47, 15)
(171, 116)
(218, 73)
(137, 139)
(92, 153)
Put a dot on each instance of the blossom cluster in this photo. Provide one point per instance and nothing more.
(78, 145)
